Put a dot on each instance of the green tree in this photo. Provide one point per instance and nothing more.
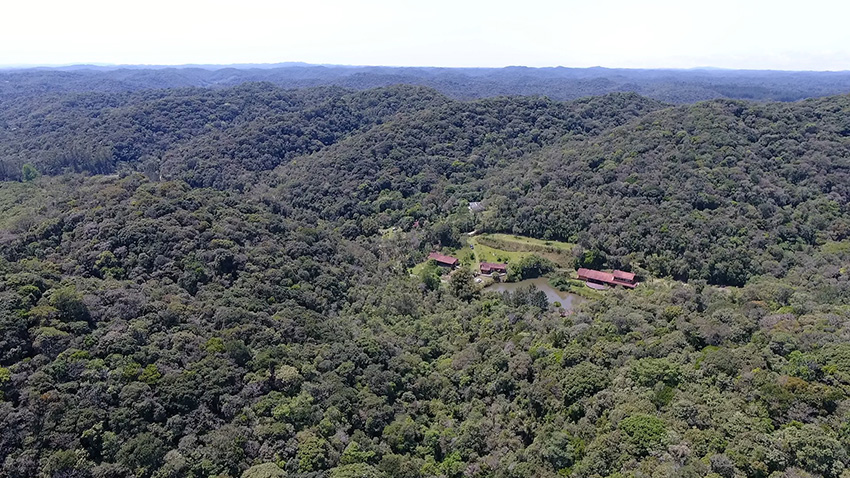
(402, 435)
(815, 450)
(461, 284)
(644, 432)
(354, 454)
(29, 172)
(142, 453)
(70, 304)
(150, 375)
(312, 452)
(592, 259)
(264, 470)
(355, 470)
(583, 380)
(529, 267)
(649, 371)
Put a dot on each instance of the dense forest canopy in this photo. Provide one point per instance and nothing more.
(674, 86)
(202, 282)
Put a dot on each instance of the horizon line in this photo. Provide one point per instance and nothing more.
(296, 64)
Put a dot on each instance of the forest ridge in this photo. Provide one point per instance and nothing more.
(560, 83)
(218, 281)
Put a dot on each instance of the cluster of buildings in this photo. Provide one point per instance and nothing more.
(593, 278)
(452, 262)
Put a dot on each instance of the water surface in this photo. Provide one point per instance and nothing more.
(568, 301)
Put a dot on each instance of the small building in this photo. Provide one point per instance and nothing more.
(625, 279)
(493, 267)
(443, 260)
(475, 207)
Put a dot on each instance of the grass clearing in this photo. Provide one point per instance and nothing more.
(491, 247)
(530, 243)
(508, 248)
(417, 269)
(484, 252)
(585, 291)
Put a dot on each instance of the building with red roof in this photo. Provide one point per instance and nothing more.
(625, 279)
(491, 267)
(622, 276)
(443, 260)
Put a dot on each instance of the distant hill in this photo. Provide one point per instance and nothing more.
(674, 86)
(574, 171)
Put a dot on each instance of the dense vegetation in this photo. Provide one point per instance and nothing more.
(201, 283)
(718, 191)
(674, 86)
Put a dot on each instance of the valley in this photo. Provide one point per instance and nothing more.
(233, 282)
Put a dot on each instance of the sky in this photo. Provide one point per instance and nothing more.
(747, 34)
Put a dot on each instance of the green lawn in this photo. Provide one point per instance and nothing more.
(508, 247)
(417, 269)
(486, 253)
(531, 242)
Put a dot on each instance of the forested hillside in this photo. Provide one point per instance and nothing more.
(718, 191)
(674, 86)
(220, 282)
(246, 128)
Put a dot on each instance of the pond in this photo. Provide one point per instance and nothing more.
(568, 301)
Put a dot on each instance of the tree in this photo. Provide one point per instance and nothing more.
(29, 172)
(355, 470)
(561, 450)
(312, 452)
(529, 267)
(402, 434)
(649, 371)
(591, 259)
(264, 470)
(70, 304)
(461, 284)
(143, 453)
(814, 450)
(583, 380)
(644, 432)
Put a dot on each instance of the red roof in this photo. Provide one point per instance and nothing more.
(493, 266)
(443, 259)
(595, 275)
(618, 277)
(622, 275)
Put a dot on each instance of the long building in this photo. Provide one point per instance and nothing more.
(443, 260)
(625, 279)
(491, 267)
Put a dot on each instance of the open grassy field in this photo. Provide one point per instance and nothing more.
(417, 269)
(508, 248)
(485, 252)
(530, 243)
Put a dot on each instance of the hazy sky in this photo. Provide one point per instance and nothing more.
(778, 34)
